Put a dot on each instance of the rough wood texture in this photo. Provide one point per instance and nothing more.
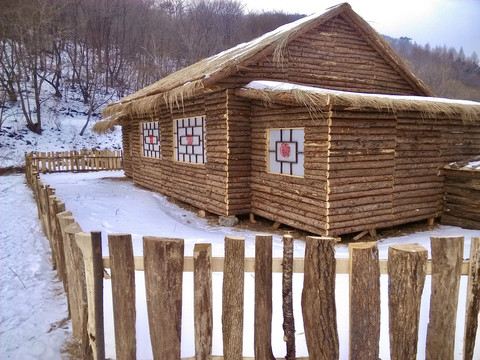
(364, 301)
(203, 311)
(473, 300)
(447, 255)
(232, 308)
(74, 274)
(163, 281)
(287, 294)
(263, 297)
(462, 198)
(91, 247)
(318, 299)
(123, 294)
(407, 265)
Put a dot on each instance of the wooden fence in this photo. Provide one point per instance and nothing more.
(77, 256)
(73, 161)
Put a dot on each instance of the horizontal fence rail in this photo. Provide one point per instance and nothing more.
(342, 265)
(77, 257)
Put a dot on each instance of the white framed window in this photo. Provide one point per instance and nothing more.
(151, 140)
(286, 151)
(189, 140)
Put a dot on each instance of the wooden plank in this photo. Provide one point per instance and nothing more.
(318, 299)
(76, 282)
(447, 253)
(123, 295)
(203, 308)
(407, 269)
(364, 301)
(342, 265)
(233, 290)
(473, 300)
(287, 295)
(91, 246)
(163, 283)
(263, 297)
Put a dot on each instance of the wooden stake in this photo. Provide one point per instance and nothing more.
(407, 265)
(252, 218)
(263, 297)
(203, 309)
(76, 280)
(473, 300)
(163, 281)
(364, 301)
(447, 255)
(123, 294)
(276, 225)
(287, 293)
(318, 299)
(232, 308)
(91, 246)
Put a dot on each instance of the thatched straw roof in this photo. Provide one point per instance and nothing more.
(320, 99)
(172, 89)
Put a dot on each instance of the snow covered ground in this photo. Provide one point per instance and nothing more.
(105, 201)
(33, 306)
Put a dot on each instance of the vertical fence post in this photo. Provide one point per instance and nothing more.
(91, 246)
(163, 260)
(447, 257)
(364, 301)
(287, 295)
(263, 297)
(123, 294)
(407, 265)
(76, 283)
(473, 299)
(203, 309)
(318, 299)
(232, 298)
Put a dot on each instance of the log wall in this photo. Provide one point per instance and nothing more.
(127, 149)
(386, 169)
(462, 198)
(361, 164)
(295, 201)
(201, 185)
(334, 55)
(239, 155)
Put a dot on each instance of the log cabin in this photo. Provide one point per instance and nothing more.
(318, 125)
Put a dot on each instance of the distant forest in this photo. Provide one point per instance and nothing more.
(119, 46)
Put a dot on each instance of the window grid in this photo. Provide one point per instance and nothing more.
(189, 140)
(151, 140)
(286, 153)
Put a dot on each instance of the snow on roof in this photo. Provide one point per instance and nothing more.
(284, 87)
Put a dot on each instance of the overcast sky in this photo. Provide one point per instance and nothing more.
(437, 22)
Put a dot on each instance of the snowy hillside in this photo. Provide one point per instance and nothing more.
(62, 121)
